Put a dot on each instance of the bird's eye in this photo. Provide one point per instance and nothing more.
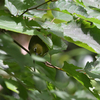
(35, 49)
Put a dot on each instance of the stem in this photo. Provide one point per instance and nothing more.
(35, 7)
(50, 58)
(52, 20)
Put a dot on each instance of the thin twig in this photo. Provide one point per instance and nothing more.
(52, 66)
(21, 46)
(50, 58)
(25, 50)
(35, 7)
(52, 20)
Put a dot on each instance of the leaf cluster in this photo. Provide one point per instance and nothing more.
(63, 21)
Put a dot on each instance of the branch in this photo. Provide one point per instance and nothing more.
(52, 66)
(35, 7)
(21, 46)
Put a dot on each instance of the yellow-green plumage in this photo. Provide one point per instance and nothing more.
(37, 46)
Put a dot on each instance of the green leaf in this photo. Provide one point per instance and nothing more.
(46, 95)
(58, 45)
(80, 2)
(62, 16)
(53, 28)
(36, 95)
(81, 77)
(72, 71)
(6, 97)
(61, 94)
(11, 7)
(2, 12)
(46, 40)
(82, 37)
(11, 85)
(77, 21)
(95, 3)
(94, 20)
(40, 84)
(37, 58)
(14, 24)
(18, 6)
(18, 24)
(93, 68)
(14, 51)
(70, 6)
(84, 95)
(49, 72)
(37, 13)
(22, 91)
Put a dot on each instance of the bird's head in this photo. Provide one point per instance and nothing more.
(37, 49)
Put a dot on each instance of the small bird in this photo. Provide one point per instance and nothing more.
(37, 46)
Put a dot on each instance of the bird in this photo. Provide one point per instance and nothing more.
(37, 46)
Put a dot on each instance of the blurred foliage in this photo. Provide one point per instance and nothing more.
(73, 27)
